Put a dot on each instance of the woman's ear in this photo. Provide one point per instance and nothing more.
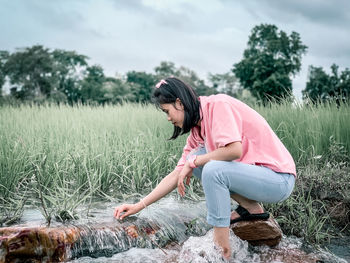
(179, 104)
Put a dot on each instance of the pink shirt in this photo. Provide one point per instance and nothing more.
(226, 120)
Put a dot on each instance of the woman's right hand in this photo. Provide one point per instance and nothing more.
(128, 209)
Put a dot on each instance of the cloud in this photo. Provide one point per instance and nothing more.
(204, 35)
(329, 13)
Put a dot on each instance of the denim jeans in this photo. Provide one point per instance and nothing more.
(220, 179)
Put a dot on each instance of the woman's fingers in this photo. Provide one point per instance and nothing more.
(180, 185)
(125, 214)
(188, 179)
(118, 210)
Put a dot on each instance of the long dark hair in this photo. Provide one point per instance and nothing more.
(168, 92)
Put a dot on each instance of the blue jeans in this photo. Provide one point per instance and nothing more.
(220, 179)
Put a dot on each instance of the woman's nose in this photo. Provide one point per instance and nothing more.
(169, 118)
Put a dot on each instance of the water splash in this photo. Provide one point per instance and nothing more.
(173, 220)
(203, 250)
(166, 222)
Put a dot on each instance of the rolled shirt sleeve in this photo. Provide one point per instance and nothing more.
(226, 124)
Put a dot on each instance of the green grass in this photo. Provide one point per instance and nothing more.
(310, 131)
(59, 157)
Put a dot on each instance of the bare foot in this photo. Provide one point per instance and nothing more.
(221, 238)
(253, 208)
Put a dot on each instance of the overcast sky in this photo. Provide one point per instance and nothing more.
(203, 35)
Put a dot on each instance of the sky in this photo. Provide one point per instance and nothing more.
(207, 36)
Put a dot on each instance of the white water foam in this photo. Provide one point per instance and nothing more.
(203, 250)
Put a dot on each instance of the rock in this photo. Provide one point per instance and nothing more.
(293, 255)
(58, 244)
(259, 232)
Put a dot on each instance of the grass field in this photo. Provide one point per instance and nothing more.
(60, 157)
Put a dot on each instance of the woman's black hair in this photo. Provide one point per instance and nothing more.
(172, 89)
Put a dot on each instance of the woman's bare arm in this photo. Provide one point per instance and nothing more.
(230, 152)
(165, 186)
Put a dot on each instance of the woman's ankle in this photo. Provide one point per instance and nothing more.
(221, 238)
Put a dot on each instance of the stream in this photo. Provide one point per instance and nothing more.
(182, 236)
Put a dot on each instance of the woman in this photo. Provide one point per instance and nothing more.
(231, 148)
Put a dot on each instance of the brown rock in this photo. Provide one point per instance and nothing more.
(54, 244)
(259, 232)
(39, 244)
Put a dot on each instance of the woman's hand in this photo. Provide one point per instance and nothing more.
(186, 172)
(128, 209)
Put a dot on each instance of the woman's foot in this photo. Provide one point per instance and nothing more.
(221, 238)
(252, 207)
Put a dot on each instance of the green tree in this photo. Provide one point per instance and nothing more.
(322, 87)
(30, 69)
(141, 85)
(167, 69)
(225, 83)
(67, 68)
(36, 72)
(116, 90)
(270, 60)
(3, 59)
(92, 85)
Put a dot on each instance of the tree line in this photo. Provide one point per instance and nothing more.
(269, 62)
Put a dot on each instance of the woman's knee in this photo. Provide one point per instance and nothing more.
(210, 171)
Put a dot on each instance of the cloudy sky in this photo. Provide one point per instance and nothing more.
(204, 35)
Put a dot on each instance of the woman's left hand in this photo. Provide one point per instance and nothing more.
(186, 172)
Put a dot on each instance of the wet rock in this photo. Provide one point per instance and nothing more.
(38, 244)
(259, 232)
(287, 256)
(58, 244)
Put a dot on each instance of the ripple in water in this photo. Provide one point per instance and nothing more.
(202, 250)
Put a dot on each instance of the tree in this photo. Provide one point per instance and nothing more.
(168, 69)
(270, 60)
(165, 70)
(141, 85)
(38, 72)
(30, 69)
(92, 85)
(3, 58)
(116, 90)
(322, 87)
(225, 83)
(68, 68)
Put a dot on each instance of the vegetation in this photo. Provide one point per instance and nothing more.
(38, 74)
(323, 87)
(269, 61)
(59, 157)
(70, 134)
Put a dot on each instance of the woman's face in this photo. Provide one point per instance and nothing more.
(175, 112)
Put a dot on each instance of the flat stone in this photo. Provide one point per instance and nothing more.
(259, 232)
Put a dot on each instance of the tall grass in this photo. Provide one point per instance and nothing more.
(72, 154)
(309, 131)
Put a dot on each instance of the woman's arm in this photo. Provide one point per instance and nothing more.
(165, 186)
(230, 152)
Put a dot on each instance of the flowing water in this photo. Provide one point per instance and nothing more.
(182, 235)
